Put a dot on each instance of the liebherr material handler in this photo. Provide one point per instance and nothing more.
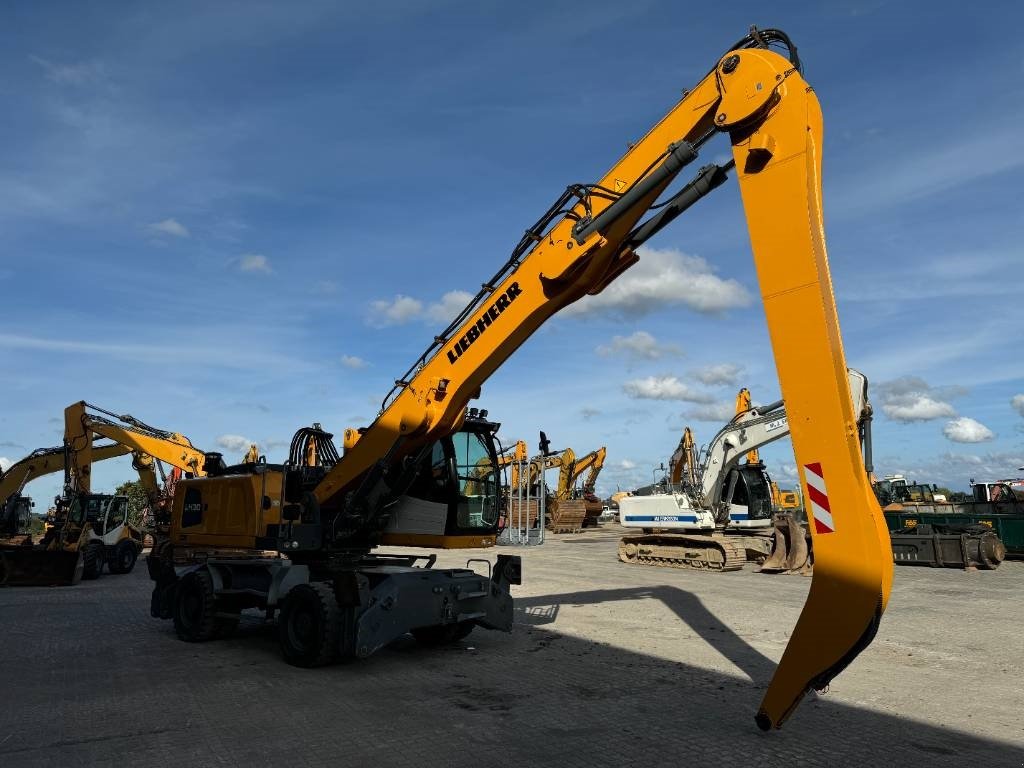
(230, 534)
(715, 516)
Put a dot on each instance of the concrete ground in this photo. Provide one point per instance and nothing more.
(609, 665)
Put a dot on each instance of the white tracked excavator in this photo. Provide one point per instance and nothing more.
(720, 515)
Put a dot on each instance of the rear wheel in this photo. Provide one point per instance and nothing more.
(195, 607)
(309, 629)
(125, 555)
(92, 561)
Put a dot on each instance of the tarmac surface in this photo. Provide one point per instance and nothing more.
(609, 664)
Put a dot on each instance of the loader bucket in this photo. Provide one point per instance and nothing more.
(33, 567)
(790, 553)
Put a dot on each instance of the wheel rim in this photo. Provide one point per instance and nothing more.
(302, 629)
(126, 558)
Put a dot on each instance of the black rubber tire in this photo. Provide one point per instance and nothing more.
(195, 608)
(442, 634)
(92, 561)
(125, 555)
(309, 628)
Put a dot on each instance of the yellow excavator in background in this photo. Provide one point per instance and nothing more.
(682, 466)
(14, 507)
(22, 563)
(302, 542)
(91, 530)
(592, 464)
(784, 500)
(565, 512)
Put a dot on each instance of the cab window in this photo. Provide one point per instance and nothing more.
(477, 505)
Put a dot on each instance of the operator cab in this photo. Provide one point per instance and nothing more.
(749, 495)
(454, 502)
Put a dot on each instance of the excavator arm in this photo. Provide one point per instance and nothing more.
(82, 422)
(46, 461)
(590, 235)
(684, 460)
(592, 464)
(745, 403)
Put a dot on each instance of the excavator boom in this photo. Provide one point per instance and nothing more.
(82, 422)
(46, 461)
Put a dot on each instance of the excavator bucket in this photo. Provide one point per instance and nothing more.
(790, 552)
(34, 567)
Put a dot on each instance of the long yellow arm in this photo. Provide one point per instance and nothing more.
(81, 424)
(46, 461)
(566, 474)
(684, 460)
(743, 404)
(592, 464)
(773, 120)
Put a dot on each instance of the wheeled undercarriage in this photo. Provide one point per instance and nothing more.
(323, 613)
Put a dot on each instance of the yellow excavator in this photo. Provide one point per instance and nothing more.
(592, 464)
(784, 500)
(682, 466)
(22, 562)
(14, 506)
(93, 530)
(302, 545)
(565, 514)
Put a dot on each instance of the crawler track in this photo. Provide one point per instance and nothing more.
(671, 550)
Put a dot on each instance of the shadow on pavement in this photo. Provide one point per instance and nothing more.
(107, 685)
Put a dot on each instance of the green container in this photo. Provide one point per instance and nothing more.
(1009, 526)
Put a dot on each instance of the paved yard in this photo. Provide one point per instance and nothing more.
(609, 665)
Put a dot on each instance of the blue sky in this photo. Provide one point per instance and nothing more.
(233, 219)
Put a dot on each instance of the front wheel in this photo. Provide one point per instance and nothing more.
(92, 561)
(309, 629)
(125, 555)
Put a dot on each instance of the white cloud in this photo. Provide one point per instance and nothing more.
(448, 308)
(353, 362)
(967, 430)
(5, 463)
(911, 399)
(254, 262)
(234, 443)
(399, 311)
(721, 374)
(719, 413)
(70, 74)
(589, 413)
(1017, 403)
(918, 407)
(170, 227)
(664, 278)
(627, 464)
(639, 345)
(664, 388)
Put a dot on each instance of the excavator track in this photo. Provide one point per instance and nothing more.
(673, 550)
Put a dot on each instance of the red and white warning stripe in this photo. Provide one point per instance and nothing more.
(821, 512)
